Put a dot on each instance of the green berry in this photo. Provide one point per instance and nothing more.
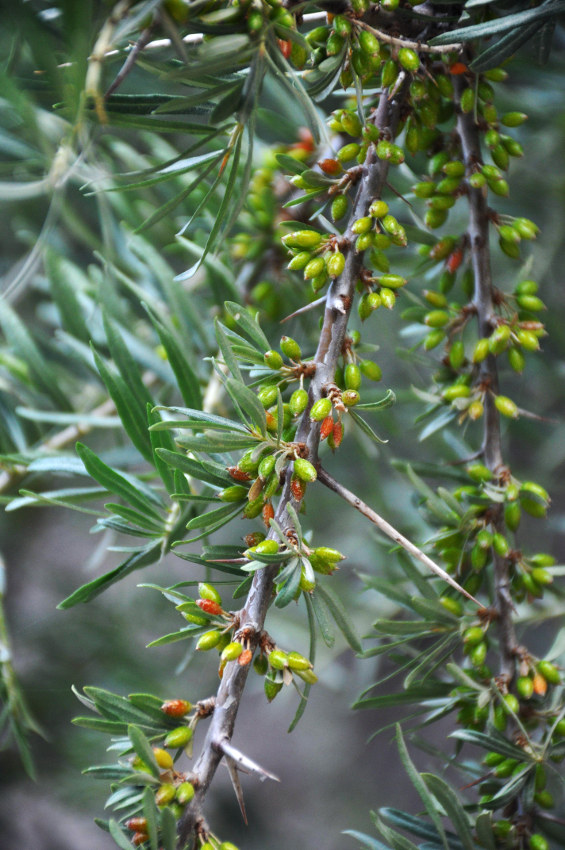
(278, 659)
(305, 470)
(178, 737)
(320, 409)
(273, 359)
(185, 793)
(290, 348)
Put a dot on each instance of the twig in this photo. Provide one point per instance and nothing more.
(384, 526)
(141, 42)
(405, 42)
(339, 301)
(478, 235)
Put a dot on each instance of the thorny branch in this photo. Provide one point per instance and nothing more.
(338, 307)
(384, 526)
(478, 233)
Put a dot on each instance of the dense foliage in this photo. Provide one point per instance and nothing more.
(329, 168)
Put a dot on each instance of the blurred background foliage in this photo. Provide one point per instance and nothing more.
(59, 233)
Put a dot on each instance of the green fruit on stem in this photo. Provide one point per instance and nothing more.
(179, 737)
(185, 793)
(305, 470)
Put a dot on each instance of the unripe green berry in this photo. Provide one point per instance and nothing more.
(549, 672)
(208, 591)
(298, 402)
(290, 348)
(525, 687)
(388, 298)
(185, 793)
(178, 737)
(371, 370)
(165, 794)
(320, 409)
(267, 396)
(305, 470)
(277, 659)
(362, 225)
(302, 239)
(273, 359)
(260, 664)
(378, 209)
(506, 406)
(352, 376)
(335, 264)
(297, 661)
(232, 651)
(348, 152)
(209, 640)
(299, 261)
(350, 398)
(339, 207)
(408, 59)
(314, 268)
(235, 493)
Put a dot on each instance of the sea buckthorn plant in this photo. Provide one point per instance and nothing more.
(215, 176)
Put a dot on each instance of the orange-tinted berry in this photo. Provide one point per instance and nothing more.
(209, 606)
(176, 707)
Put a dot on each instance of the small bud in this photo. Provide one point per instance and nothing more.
(136, 824)
(267, 514)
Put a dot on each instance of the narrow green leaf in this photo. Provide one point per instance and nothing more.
(127, 487)
(22, 344)
(210, 518)
(386, 401)
(491, 742)
(168, 829)
(365, 427)
(187, 379)
(196, 469)
(150, 814)
(420, 786)
(366, 840)
(136, 561)
(338, 612)
(135, 517)
(489, 28)
(312, 657)
(143, 749)
(448, 799)
(118, 835)
(395, 839)
(173, 637)
(417, 826)
(321, 613)
(197, 417)
(286, 593)
(483, 828)
(161, 440)
(226, 350)
(62, 274)
(249, 326)
(248, 402)
(128, 408)
(99, 724)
